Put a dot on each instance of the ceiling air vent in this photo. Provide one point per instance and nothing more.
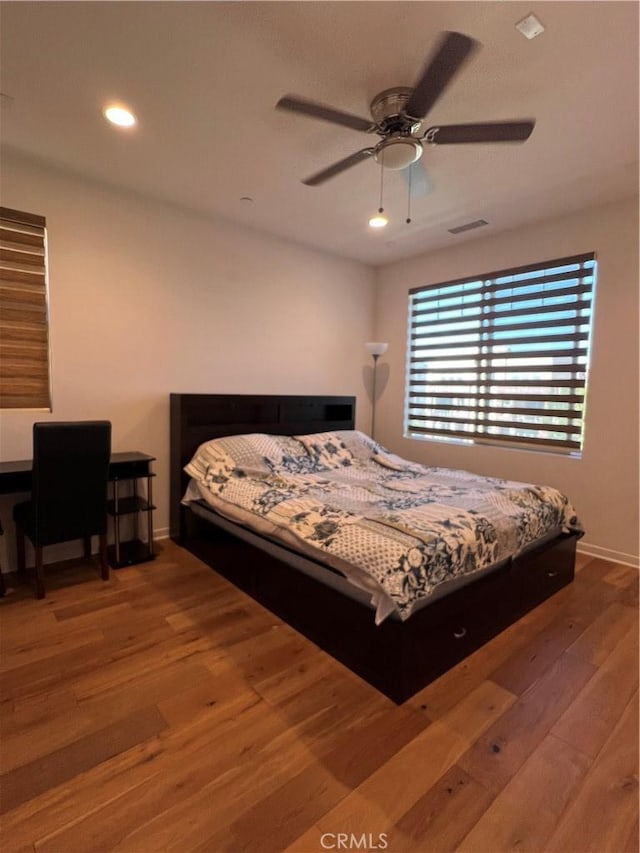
(478, 223)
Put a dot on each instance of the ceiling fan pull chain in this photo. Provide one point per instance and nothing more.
(381, 208)
(409, 196)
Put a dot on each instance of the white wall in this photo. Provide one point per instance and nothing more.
(603, 484)
(147, 299)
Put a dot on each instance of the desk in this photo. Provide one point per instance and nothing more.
(15, 476)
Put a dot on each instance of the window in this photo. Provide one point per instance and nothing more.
(502, 357)
(24, 332)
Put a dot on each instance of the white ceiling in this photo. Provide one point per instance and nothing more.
(203, 79)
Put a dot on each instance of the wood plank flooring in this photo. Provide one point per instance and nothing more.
(164, 710)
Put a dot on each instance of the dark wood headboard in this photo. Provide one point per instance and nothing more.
(196, 418)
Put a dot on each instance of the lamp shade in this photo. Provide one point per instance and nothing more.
(376, 348)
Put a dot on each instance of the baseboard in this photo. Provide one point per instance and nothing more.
(53, 553)
(609, 554)
(586, 548)
(583, 548)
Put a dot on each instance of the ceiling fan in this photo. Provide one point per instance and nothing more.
(397, 115)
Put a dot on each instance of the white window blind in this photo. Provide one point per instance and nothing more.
(24, 334)
(503, 357)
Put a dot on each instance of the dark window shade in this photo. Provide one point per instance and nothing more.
(24, 332)
(503, 357)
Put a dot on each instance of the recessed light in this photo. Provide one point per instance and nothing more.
(378, 221)
(119, 115)
(530, 27)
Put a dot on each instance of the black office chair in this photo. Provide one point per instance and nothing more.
(69, 492)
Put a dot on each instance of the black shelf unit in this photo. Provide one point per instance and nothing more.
(132, 551)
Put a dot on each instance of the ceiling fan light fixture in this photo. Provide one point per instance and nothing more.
(398, 153)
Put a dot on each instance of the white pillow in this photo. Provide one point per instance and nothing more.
(327, 449)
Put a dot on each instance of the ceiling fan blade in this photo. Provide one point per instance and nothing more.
(340, 166)
(315, 110)
(418, 180)
(449, 57)
(492, 131)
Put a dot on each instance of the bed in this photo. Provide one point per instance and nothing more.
(396, 643)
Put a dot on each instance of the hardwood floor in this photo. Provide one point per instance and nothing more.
(165, 710)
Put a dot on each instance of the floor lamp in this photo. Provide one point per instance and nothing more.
(375, 349)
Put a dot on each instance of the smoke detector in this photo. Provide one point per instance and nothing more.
(530, 27)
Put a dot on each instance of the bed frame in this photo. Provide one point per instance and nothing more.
(398, 658)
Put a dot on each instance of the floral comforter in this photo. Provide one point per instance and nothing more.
(406, 527)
